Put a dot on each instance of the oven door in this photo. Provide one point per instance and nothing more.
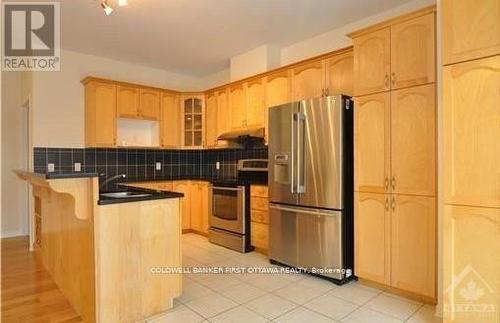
(228, 209)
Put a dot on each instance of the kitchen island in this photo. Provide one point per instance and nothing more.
(102, 253)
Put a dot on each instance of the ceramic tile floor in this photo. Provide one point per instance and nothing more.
(253, 297)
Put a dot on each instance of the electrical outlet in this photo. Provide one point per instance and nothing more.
(78, 167)
(217, 165)
(51, 167)
(158, 166)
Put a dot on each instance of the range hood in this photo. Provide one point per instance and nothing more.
(238, 134)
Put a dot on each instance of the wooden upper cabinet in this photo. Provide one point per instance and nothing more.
(100, 114)
(372, 62)
(413, 244)
(413, 140)
(223, 112)
(170, 120)
(211, 120)
(127, 99)
(413, 53)
(472, 133)
(278, 88)
(149, 104)
(339, 74)
(471, 29)
(237, 105)
(255, 103)
(372, 237)
(372, 143)
(308, 80)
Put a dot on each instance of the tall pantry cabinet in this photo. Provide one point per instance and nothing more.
(471, 121)
(395, 153)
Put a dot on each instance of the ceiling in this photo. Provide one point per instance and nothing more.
(198, 37)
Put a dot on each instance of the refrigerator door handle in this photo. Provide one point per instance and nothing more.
(292, 153)
(304, 210)
(300, 152)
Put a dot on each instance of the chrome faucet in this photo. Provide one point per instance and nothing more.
(110, 179)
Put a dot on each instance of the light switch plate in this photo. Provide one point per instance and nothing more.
(217, 165)
(51, 167)
(78, 167)
(158, 166)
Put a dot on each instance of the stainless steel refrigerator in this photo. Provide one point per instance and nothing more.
(311, 186)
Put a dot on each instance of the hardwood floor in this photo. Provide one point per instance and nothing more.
(28, 293)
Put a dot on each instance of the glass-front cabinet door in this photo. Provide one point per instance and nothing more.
(193, 121)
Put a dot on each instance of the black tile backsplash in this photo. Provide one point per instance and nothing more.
(139, 164)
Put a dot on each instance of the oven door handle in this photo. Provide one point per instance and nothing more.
(227, 188)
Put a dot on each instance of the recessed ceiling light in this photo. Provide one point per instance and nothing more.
(107, 8)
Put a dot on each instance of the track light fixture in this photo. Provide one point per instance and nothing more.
(108, 9)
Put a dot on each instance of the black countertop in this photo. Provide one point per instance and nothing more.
(68, 175)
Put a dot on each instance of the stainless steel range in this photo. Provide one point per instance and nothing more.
(230, 207)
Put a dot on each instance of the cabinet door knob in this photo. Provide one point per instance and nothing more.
(387, 203)
(393, 78)
(393, 204)
(393, 183)
(386, 80)
(386, 183)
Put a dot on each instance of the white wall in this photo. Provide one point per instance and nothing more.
(255, 61)
(58, 97)
(14, 155)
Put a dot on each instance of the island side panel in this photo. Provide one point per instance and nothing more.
(67, 244)
(131, 239)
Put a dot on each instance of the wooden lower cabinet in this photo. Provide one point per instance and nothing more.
(372, 237)
(395, 241)
(199, 207)
(471, 263)
(259, 215)
(413, 244)
(184, 188)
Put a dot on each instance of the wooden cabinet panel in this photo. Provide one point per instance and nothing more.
(372, 143)
(184, 187)
(471, 30)
(100, 114)
(413, 53)
(237, 106)
(308, 80)
(372, 237)
(372, 62)
(471, 247)
(127, 99)
(472, 132)
(413, 140)
(205, 207)
(259, 216)
(413, 244)
(223, 112)
(339, 74)
(259, 191)
(259, 203)
(255, 104)
(259, 235)
(211, 120)
(196, 203)
(149, 104)
(277, 91)
(170, 120)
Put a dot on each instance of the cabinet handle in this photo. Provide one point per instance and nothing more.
(322, 92)
(327, 92)
(393, 204)
(393, 183)
(386, 80)
(393, 78)
(386, 183)
(387, 203)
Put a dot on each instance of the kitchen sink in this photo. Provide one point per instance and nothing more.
(122, 195)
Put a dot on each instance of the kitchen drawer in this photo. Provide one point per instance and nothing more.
(259, 216)
(260, 235)
(259, 191)
(259, 203)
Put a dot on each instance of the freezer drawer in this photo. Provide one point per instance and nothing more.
(307, 238)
